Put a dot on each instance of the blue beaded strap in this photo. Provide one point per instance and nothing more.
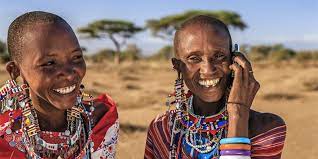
(235, 140)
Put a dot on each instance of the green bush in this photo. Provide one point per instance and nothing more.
(281, 54)
(4, 58)
(3, 47)
(306, 55)
(102, 55)
(259, 52)
(165, 53)
(4, 55)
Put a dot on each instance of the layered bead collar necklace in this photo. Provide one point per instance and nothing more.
(198, 136)
(75, 142)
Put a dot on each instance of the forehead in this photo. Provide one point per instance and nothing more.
(203, 38)
(43, 39)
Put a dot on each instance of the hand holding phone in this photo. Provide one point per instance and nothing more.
(242, 93)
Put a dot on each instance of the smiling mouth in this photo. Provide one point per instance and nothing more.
(65, 90)
(209, 83)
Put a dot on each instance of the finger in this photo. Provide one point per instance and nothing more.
(245, 65)
(241, 60)
(241, 55)
(245, 62)
(255, 86)
(237, 72)
(251, 77)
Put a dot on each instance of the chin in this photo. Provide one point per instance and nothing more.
(211, 94)
(211, 99)
(64, 104)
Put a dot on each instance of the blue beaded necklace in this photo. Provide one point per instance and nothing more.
(201, 135)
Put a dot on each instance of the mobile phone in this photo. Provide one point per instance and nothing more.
(231, 78)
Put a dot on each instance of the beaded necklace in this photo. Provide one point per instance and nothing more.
(197, 136)
(36, 145)
(75, 141)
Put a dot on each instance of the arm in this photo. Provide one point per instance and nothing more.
(241, 96)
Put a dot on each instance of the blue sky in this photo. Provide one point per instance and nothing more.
(290, 22)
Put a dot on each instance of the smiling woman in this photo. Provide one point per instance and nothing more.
(49, 115)
(214, 119)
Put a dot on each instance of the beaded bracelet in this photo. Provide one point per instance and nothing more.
(235, 140)
(235, 147)
(235, 157)
(235, 152)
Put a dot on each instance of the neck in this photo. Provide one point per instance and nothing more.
(203, 108)
(49, 117)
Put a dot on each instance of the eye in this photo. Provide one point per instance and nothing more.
(220, 56)
(48, 63)
(194, 59)
(78, 57)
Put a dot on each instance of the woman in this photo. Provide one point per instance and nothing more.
(49, 115)
(214, 119)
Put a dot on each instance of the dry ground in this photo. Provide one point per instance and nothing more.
(140, 90)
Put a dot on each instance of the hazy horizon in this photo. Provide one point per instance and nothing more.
(291, 23)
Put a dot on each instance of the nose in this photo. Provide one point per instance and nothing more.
(207, 69)
(67, 72)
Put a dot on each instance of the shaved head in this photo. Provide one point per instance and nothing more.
(24, 23)
(201, 22)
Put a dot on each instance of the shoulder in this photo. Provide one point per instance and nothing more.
(106, 126)
(104, 105)
(265, 123)
(267, 132)
(161, 123)
(164, 118)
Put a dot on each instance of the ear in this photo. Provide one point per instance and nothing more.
(176, 64)
(13, 70)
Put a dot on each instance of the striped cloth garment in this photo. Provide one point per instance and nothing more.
(268, 145)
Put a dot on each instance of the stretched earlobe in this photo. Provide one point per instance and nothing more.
(13, 70)
(176, 64)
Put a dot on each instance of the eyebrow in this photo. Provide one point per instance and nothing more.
(52, 54)
(220, 49)
(76, 49)
(197, 52)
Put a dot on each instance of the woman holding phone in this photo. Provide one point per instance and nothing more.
(214, 119)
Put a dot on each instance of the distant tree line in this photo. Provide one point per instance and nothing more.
(256, 53)
(118, 31)
(277, 53)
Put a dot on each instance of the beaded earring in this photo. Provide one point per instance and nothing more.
(180, 96)
(90, 103)
(9, 95)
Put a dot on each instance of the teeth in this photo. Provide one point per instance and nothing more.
(208, 83)
(65, 90)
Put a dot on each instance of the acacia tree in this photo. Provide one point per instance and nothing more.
(166, 26)
(118, 31)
